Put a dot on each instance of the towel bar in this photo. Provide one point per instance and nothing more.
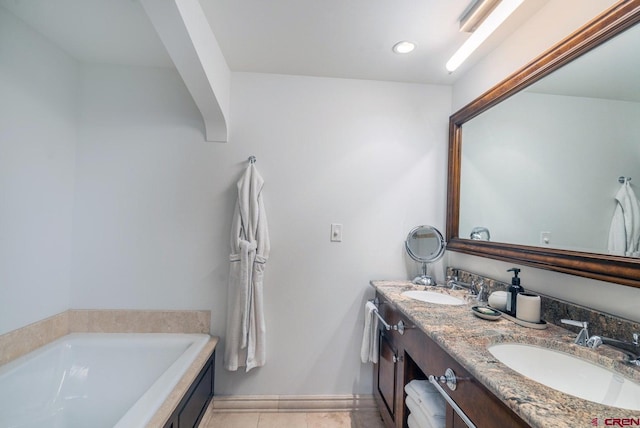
(399, 327)
(450, 378)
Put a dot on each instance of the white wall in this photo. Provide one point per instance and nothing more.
(555, 21)
(368, 155)
(154, 205)
(146, 223)
(38, 109)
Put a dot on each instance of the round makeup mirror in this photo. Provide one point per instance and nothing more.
(424, 244)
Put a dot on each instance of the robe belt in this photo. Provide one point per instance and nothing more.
(246, 257)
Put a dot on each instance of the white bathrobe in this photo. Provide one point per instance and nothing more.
(624, 232)
(245, 337)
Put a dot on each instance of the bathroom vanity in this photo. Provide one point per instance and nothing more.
(437, 337)
(414, 355)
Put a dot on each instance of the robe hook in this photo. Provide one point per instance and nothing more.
(622, 179)
(252, 159)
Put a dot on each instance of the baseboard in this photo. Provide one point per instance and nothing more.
(293, 403)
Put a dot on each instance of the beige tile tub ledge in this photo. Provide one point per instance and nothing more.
(21, 341)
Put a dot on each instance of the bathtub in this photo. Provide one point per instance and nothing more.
(95, 380)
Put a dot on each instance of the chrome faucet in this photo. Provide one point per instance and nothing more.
(583, 335)
(630, 349)
(474, 289)
(483, 292)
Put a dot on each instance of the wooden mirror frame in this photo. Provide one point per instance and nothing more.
(616, 269)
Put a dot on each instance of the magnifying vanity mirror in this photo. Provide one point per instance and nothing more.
(425, 244)
(537, 158)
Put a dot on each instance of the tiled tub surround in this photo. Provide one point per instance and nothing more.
(466, 338)
(26, 339)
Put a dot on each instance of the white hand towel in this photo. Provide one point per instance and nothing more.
(369, 349)
(412, 423)
(421, 417)
(427, 397)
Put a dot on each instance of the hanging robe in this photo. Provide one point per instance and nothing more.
(624, 232)
(245, 335)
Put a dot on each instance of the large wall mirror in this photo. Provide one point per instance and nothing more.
(538, 160)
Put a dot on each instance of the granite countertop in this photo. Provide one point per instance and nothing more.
(466, 338)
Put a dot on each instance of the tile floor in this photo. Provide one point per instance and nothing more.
(292, 420)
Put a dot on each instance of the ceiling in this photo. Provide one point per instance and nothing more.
(350, 39)
(330, 38)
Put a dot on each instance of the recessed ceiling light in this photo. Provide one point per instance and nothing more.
(403, 47)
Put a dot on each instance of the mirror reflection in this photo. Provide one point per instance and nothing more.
(542, 167)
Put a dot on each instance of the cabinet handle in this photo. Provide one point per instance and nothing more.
(397, 359)
(450, 379)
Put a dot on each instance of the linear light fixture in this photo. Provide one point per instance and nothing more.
(499, 14)
(475, 13)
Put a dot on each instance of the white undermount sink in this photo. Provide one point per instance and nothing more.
(569, 374)
(433, 297)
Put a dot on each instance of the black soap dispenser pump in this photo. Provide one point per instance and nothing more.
(512, 292)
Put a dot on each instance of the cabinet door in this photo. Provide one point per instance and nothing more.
(386, 374)
(453, 420)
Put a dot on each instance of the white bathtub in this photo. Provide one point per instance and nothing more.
(95, 380)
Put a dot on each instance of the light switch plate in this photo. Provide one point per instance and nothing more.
(545, 238)
(336, 232)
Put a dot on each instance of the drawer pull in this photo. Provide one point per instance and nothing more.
(450, 379)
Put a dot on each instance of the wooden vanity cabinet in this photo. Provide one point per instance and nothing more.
(389, 372)
(386, 377)
(416, 357)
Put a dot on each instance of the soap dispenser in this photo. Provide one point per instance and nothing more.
(512, 292)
